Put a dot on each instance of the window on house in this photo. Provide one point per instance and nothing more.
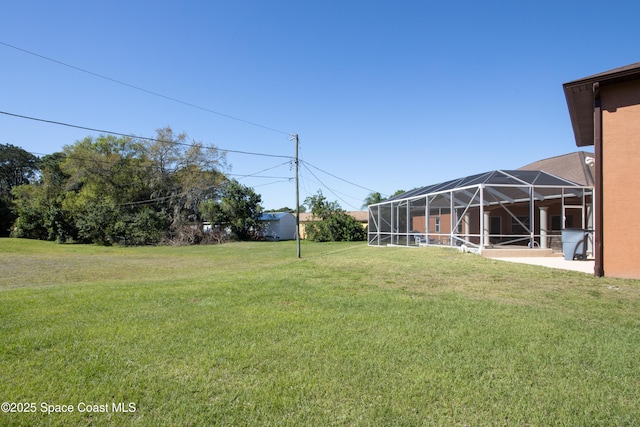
(568, 221)
(556, 222)
(437, 224)
(517, 228)
(495, 225)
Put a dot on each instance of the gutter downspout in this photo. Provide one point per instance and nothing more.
(598, 269)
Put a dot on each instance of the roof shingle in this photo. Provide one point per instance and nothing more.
(572, 166)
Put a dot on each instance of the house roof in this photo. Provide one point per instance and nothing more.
(306, 216)
(580, 99)
(572, 166)
(362, 216)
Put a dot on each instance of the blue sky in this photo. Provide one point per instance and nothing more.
(385, 95)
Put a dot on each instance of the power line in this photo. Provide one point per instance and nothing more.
(157, 167)
(327, 187)
(184, 193)
(305, 163)
(255, 174)
(333, 191)
(286, 178)
(274, 182)
(337, 177)
(134, 136)
(227, 116)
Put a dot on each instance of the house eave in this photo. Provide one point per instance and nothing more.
(581, 99)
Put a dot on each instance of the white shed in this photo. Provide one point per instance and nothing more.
(279, 226)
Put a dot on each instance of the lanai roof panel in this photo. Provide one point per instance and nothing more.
(494, 178)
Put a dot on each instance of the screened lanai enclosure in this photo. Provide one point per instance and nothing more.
(488, 210)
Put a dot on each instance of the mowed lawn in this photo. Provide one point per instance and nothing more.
(247, 334)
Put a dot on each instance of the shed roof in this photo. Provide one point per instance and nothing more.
(273, 216)
(580, 99)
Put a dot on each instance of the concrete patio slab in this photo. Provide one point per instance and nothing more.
(553, 262)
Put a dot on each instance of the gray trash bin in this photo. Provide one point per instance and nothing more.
(573, 244)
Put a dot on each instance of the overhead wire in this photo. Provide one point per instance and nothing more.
(173, 100)
(189, 104)
(135, 136)
(322, 184)
(161, 96)
(157, 199)
(151, 166)
(252, 175)
(255, 175)
(314, 179)
(271, 183)
(283, 179)
(337, 177)
(328, 188)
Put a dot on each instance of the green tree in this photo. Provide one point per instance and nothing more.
(105, 179)
(238, 208)
(183, 174)
(119, 189)
(376, 197)
(38, 205)
(397, 193)
(17, 167)
(32, 208)
(287, 209)
(371, 199)
(332, 222)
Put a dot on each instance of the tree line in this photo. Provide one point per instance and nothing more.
(138, 191)
(110, 189)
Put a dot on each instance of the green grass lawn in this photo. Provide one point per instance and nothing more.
(247, 334)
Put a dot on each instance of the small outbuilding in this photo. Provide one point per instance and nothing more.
(278, 226)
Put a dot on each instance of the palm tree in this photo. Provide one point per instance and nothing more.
(372, 198)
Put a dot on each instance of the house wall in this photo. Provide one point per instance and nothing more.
(288, 227)
(620, 166)
(418, 224)
(303, 230)
(282, 229)
(271, 230)
(554, 225)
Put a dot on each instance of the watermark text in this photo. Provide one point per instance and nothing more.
(58, 408)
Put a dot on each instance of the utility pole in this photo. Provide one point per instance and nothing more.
(297, 199)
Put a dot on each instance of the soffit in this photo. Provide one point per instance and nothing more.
(580, 99)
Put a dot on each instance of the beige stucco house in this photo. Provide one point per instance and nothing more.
(307, 217)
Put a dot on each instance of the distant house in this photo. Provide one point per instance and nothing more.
(361, 216)
(307, 217)
(278, 226)
(605, 113)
